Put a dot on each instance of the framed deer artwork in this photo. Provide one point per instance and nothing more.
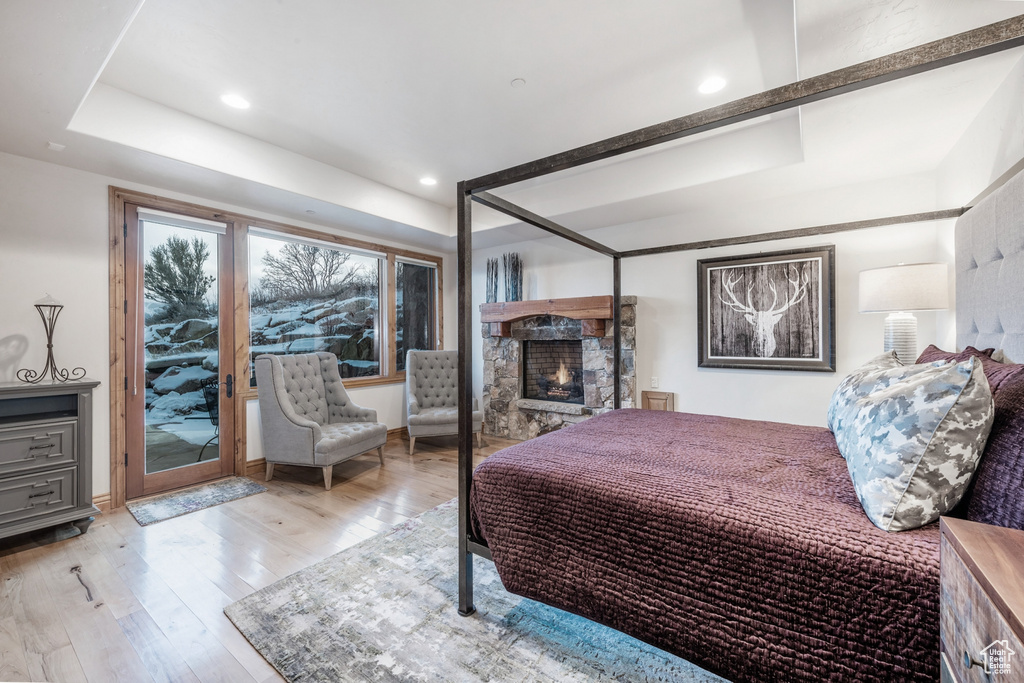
(770, 311)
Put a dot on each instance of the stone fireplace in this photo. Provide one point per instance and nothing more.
(550, 363)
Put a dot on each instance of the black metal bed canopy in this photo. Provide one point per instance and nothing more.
(997, 37)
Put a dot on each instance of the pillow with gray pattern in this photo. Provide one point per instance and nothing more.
(912, 437)
(845, 392)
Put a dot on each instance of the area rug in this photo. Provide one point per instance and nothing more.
(178, 503)
(385, 610)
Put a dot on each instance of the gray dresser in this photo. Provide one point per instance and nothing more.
(45, 455)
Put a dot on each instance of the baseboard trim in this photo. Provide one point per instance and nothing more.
(102, 501)
(255, 467)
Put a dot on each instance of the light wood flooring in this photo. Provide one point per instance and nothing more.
(138, 604)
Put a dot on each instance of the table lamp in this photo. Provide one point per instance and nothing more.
(898, 290)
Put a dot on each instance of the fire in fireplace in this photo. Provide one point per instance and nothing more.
(553, 370)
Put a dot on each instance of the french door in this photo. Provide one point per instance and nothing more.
(179, 346)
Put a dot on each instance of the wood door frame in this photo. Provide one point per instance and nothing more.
(236, 297)
(141, 483)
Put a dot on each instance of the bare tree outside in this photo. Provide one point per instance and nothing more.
(304, 271)
(175, 275)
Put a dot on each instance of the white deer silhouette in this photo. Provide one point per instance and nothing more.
(764, 321)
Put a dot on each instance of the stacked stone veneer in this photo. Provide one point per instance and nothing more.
(507, 414)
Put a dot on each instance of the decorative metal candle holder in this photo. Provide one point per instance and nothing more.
(49, 308)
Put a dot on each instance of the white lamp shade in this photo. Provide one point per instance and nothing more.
(910, 287)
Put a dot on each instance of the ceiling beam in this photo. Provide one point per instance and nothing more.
(508, 208)
(961, 47)
(801, 232)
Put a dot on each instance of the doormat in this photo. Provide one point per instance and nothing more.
(178, 503)
(385, 610)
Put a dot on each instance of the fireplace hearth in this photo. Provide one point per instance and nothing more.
(553, 370)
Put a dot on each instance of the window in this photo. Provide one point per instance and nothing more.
(415, 308)
(306, 296)
(364, 303)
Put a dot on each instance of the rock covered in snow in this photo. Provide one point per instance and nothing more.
(174, 405)
(192, 330)
(181, 380)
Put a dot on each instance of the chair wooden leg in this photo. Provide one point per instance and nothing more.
(380, 454)
(480, 439)
(328, 474)
(270, 471)
(412, 444)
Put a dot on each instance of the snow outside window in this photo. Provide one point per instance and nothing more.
(304, 297)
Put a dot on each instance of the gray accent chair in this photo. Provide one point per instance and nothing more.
(431, 382)
(307, 417)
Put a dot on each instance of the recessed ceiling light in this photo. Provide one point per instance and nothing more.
(235, 100)
(713, 84)
(518, 82)
(428, 181)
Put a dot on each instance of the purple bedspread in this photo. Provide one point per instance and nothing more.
(737, 545)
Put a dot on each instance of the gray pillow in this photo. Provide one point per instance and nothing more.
(912, 437)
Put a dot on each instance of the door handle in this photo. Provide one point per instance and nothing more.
(230, 384)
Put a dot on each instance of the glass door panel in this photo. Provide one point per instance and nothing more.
(179, 330)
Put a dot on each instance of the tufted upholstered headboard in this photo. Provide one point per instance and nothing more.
(990, 272)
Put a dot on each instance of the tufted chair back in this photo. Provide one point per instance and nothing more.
(433, 378)
(300, 379)
(339, 406)
(311, 384)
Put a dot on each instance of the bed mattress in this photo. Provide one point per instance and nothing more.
(737, 545)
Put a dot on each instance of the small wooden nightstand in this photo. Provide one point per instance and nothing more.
(982, 617)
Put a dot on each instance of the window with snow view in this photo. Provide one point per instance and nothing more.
(307, 296)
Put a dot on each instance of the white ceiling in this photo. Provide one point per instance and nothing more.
(354, 101)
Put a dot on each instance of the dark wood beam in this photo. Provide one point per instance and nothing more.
(508, 208)
(1002, 35)
(800, 232)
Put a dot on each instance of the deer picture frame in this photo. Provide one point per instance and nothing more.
(769, 311)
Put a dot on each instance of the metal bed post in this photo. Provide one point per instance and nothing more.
(465, 398)
(617, 330)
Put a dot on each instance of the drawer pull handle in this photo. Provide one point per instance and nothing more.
(41, 446)
(970, 661)
(40, 495)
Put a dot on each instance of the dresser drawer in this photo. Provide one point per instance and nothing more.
(39, 494)
(31, 447)
(976, 640)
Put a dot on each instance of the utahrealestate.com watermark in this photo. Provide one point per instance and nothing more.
(996, 657)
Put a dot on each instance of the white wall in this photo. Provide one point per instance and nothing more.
(53, 238)
(667, 318)
(991, 144)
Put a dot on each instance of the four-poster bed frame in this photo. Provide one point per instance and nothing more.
(955, 49)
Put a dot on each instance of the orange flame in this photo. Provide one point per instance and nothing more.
(562, 377)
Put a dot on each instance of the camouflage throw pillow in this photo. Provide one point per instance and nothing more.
(845, 392)
(912, 437)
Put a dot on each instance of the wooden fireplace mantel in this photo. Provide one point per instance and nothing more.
(592, 311)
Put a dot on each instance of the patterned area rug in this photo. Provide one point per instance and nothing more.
(384, 610)
(179, 503)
